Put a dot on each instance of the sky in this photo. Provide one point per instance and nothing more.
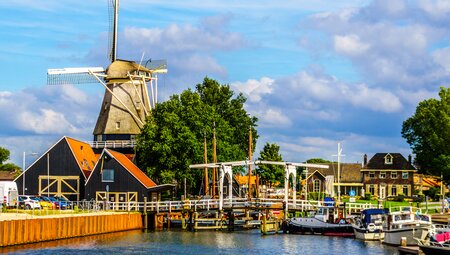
(315, 73)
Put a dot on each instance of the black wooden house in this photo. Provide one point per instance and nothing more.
(61, 170)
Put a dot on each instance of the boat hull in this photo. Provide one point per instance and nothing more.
(366, 235)
(394, 237)
(434, 250)
(314, 226)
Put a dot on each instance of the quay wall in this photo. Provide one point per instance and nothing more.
(22, 231)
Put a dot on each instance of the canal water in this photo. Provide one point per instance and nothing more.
(210, 242)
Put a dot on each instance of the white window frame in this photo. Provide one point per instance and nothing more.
(407, 189)
(372, 175)
(392, 190)
(394, 175)
(372, 189)
(405, 173)
(316, 185)
(382, 175)
(388, 160)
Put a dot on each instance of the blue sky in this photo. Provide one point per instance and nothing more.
(315, 72)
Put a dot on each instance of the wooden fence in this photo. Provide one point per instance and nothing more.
(13, 232)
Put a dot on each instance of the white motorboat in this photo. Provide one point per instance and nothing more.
(369, 226)
(324, 222)
(408, 223)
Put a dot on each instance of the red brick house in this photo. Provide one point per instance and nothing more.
(388, 174)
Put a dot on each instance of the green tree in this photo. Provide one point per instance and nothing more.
(428, 134)
(317, 161)
(4, 155)
(172, 138)
(270, 174)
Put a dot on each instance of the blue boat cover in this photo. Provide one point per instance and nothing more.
(365, 215)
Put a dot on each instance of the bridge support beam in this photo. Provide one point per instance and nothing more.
(288, 170)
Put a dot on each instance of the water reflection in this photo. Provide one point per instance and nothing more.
(210, 242)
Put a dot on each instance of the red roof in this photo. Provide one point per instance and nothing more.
(132, 168)
(84, 155)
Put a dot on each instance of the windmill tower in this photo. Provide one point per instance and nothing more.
(126, 102)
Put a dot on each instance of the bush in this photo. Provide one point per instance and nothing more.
(400, 198)
(367, 196)
(316, 195)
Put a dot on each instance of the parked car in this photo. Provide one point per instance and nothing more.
(44, 203)
(55, 204)
(63, 203)
(28, 202)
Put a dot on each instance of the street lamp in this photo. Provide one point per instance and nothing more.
(23, 169)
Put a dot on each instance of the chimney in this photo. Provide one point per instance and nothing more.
(409, 159)
(365, 160)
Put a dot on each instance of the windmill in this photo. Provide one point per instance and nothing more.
(126, 102)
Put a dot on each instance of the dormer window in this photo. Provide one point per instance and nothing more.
(388, 159)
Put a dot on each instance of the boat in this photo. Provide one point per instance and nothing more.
(409, 223)
(369, 226)
(323, 222)
(437, 244)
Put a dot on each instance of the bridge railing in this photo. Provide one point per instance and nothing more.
(213, 204)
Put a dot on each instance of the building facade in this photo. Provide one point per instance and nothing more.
(388, 174)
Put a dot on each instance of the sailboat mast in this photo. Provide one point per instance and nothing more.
(250, 159)
(213, 193)
(339, 171)
(205, 156)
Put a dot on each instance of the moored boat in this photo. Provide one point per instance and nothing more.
(437, 244)
(321, 223)
(407, 223)
(369, 226)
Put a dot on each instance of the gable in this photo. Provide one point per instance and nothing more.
(378, 162)
(84, 155)
(132, 168)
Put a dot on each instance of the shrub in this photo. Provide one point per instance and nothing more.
(400, 198)
(316, 195)
(367, 196)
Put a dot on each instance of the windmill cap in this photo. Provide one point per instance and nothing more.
(120, 69)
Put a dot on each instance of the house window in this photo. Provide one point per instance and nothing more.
(372, 189)
(316, 187)
(405, 190)
(382, 175)
(388, 159)
(394, 190)
(117, 125)
(405, 175)
(108, 175)
(393, 175)
(371, 175)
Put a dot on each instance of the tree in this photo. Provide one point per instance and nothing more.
(428, 134)
(173, 135)
(4, 155)
(270, 174)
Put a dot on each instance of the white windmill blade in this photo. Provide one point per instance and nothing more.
(76, 75)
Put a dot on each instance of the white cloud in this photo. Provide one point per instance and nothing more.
(350, 45)
(254, 89)
(48, 110)
(274, 118)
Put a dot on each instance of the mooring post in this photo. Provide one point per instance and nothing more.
(195, 221)
(264, 225)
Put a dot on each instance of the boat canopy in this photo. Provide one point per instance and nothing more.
(367, 214)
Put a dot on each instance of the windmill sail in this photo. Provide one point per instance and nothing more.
(81, 75)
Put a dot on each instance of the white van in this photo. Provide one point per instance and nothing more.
(8, 193)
